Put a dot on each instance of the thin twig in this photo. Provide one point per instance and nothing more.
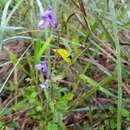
(73, 1)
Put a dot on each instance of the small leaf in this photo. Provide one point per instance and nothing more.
(45, 46)
(21, 105)
(112, 124)
(1, 126)
(14, 59)
(52, 126)
(68, 97)
(125, 113)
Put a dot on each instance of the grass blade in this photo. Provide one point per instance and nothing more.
(96, 85)
(119, 72)
(3, 21)
(13, 11)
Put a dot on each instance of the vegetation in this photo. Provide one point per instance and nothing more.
(65, 65)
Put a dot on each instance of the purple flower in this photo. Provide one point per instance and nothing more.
(42, 66)
(48, 19)
(44, 86)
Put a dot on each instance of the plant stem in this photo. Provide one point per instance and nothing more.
(118, 55)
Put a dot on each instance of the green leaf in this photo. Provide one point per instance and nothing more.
(37, 47)
(21, 105)
(41, 48)
(14, 59)
(128, 118)
(61, 107)
(112, 124)
(52, 126)
(68, 97)
(118, 61)
(100, 128)
(1, 126)
(124, 112)
(45, 45)
(3, 20)
(96, 86)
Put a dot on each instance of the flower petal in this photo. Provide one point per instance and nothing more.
(52, 22)
(42, 66)
(42, 24)
(47, 12)
(48, 18)
(44, 86)
(38, 66)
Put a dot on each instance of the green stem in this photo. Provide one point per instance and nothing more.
(118, 55)
(47, 32)
(1, 38)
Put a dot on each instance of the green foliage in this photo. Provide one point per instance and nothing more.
(52, 126)
(83, 94)
(20, 66)
(61, 105)
(1, 126)
(110, 123)
(125, 113)
(96, 86)
(40, 48)
(21, 105)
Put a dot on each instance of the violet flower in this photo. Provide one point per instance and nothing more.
(44, 86)
(48, 19)
(42, 66)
